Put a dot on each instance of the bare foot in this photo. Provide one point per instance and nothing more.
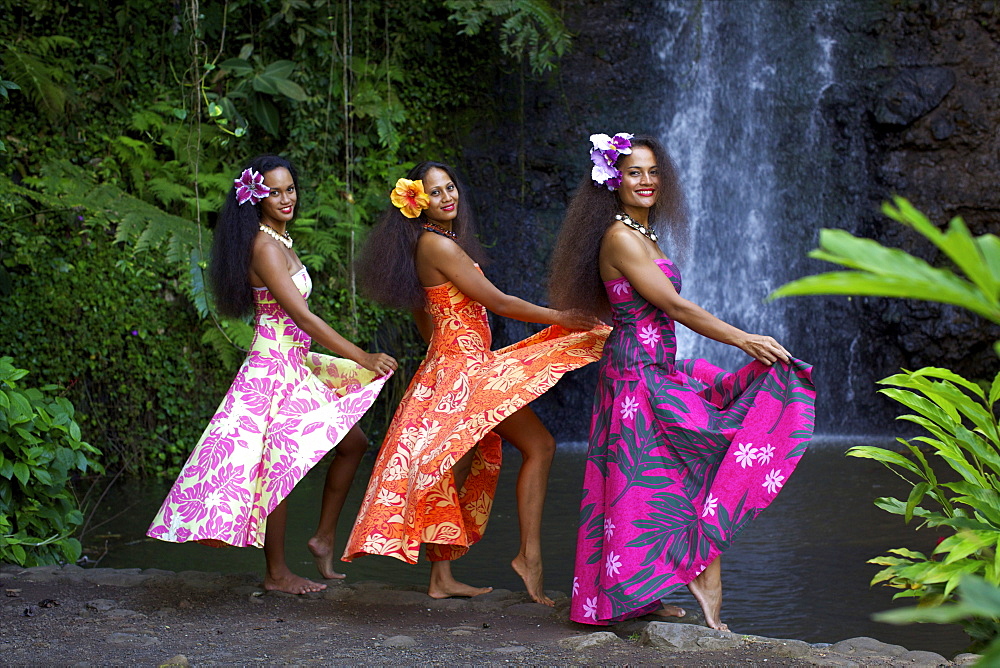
(444, 585)
(669, 611)
(532, 576)
(455, 588)
(710, 599)
(322, 552)
(291, 584)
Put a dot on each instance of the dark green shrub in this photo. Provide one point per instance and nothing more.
(40, 452)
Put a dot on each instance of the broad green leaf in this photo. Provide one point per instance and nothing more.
(264, 84)
(281, 69)
(237, 65)
(906, 552)
(290, 89)
(21, 472)
(994, 390)
(883, 455)
(916, 496)
(266, 114)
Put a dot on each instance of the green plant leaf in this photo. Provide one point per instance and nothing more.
(21, 472)
(266, 114)
(916, 496)
(289, 89)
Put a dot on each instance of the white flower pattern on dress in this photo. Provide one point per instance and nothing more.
(629, 408)
(576, 586)
(710, 504)
(590, 608)
(745, 454)
(613, 564)
(649, 335)
(773, 481)
(765, 454)
(609, 529)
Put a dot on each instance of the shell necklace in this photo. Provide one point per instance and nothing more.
(284, 239)
(641, 229)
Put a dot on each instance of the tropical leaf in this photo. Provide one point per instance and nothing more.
(888, 272)
(637, 459)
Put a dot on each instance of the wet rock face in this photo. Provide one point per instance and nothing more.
(933, 140)
(912, 94)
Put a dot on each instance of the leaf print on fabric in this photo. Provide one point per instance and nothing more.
(638, 465)
(637, 591)
(799, 449)
(789, 386)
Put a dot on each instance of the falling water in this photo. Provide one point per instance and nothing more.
(742, 114)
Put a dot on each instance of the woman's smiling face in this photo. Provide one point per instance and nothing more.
(640, 179)
(279, 205)
(443, 192)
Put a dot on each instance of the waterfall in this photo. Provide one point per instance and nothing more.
(741, 113)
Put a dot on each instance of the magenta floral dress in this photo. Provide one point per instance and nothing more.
(682, 455)
(286, 408)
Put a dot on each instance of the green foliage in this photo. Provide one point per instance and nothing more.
(132, 363)
(957, 415)
(528, 28)
(944, 403)
(40, 452)
(978, 600)
(890, 272)
(256, 84)
(44, 75)
(133, 121)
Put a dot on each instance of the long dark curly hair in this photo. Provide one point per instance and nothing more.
(574, 276)
(232, 246)
(386, 268)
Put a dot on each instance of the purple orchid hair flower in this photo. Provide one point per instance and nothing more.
(250, 187)
(604, 153)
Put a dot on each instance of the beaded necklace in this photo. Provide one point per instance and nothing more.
(284, 238)
(641, 229)
(437, 229)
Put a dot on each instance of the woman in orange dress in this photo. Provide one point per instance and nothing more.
(436, 474)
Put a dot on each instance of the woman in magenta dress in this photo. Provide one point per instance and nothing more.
(681, 455)
(287, 407)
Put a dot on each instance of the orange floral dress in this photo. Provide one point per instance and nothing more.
(460, 392)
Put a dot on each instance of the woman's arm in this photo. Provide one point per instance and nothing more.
(270, 266)
(442, 258)
(623, 251)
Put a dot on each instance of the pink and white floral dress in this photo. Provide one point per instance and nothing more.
(284, 411)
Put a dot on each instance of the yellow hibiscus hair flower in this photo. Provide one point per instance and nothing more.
(409, 197)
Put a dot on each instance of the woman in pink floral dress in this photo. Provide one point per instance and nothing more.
(287, 407)
(682, 455)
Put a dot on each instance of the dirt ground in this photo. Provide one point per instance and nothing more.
(75, 617)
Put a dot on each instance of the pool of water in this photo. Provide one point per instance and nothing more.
(798, 571)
